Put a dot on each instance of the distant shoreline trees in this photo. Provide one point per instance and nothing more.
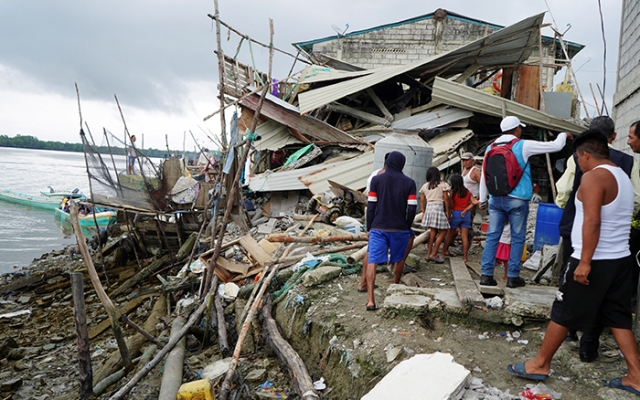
(32, 142)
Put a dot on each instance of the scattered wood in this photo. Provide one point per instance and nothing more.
(125, 309)
(195, 317)
(316, 239)
(466, 288)
(31, 280)
(141, 331)
(301, 380)
(135, 343)
(112, 313)
(84, 350)
(172, 373)
(255, 250)
(412, 280)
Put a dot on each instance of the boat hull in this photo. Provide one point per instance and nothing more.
(50, 203)
(103, 218)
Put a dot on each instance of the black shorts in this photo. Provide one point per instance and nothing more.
(605, 301)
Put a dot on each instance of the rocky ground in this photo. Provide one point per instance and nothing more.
(352, 349)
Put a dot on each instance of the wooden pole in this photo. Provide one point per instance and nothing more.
(604, 103)
(302, 382)
(223, 342)
(195, 317)
(595, 100)
(223, 122)
(316, 253)
(232, 193)
(141, 331)
(314, 239)
(172, 374)
(95, 281)
(84, 350)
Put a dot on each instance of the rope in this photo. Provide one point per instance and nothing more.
(253, 63)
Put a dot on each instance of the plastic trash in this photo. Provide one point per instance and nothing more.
(228, 291)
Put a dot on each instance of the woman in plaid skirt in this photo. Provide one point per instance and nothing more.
(436, 208)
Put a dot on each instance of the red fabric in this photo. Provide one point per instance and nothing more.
(460, 203)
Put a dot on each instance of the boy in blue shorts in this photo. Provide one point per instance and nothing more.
(391, 208)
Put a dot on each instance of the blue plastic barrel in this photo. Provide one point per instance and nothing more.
(547, 222)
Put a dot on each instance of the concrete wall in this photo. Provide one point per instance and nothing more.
(626, 100)
(417, 41)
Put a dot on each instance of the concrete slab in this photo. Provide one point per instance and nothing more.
(320, 275)
(530, 301)
(445, 298)
(434, 374)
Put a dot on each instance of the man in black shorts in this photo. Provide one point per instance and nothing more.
(596, 286)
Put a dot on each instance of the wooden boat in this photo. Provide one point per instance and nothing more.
(104, 217)
(50, 203)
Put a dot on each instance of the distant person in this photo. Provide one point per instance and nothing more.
(514, 206)
(504, 250)
(536, 198)
(131, 157)
(391, 208)
(462, 202)
(596, 286)
(436, 208)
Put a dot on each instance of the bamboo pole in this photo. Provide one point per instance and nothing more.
(172, 374)
(604, 103)
(223, 122)
(195, 317)
(95, 281)
(595, 100)
(84, 350)
(232, 194)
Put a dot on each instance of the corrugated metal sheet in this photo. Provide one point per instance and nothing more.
(286, 114)
(273, 135)
(318, 73)
(288, 180)
(510, 45)
(352, 173)
(462, 96)
(431, 119)
(449, 141)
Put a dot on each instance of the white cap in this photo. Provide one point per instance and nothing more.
(509, 123)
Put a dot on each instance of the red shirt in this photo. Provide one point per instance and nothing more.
(460, 203)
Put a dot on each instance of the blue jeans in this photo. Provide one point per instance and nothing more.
(501, 210)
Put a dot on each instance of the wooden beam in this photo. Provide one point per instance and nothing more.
(467, 72)
(365, 116)
(467, 290)
(380, 104)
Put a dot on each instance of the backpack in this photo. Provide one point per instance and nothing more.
(501, 168)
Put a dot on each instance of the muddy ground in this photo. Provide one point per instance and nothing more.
(38, 358)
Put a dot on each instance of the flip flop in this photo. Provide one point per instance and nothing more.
(518, 369)
(372, 308)
(448, 254)
(617, 384)
(365, 290)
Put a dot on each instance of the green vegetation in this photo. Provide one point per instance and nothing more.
(32, 142)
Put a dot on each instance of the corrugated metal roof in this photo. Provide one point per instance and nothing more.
(462, 96)
(507, 46)
(273, 135)
(319, 73)
(449, 141)
(288, 180)
(352, 173)
(431, 119)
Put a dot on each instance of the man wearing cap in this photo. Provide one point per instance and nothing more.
(513, 207)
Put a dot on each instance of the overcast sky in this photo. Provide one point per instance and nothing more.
(157, 57)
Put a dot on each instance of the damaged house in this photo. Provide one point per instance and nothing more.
(431, 87)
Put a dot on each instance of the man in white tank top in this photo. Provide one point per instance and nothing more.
(596, 286)
(470, 174)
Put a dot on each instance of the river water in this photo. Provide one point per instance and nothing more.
(26, 232)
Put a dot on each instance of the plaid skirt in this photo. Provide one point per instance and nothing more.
(434, 216)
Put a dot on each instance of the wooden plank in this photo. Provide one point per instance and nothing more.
(528, 86)
(412, 280)
(475, 267)
(380, 104)
(237, 268)
(268, 246)
(467, 290)
(125, 309)
(255, 251)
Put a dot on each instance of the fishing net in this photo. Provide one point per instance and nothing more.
(143, 190)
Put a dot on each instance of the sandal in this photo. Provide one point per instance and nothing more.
(372, 308)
